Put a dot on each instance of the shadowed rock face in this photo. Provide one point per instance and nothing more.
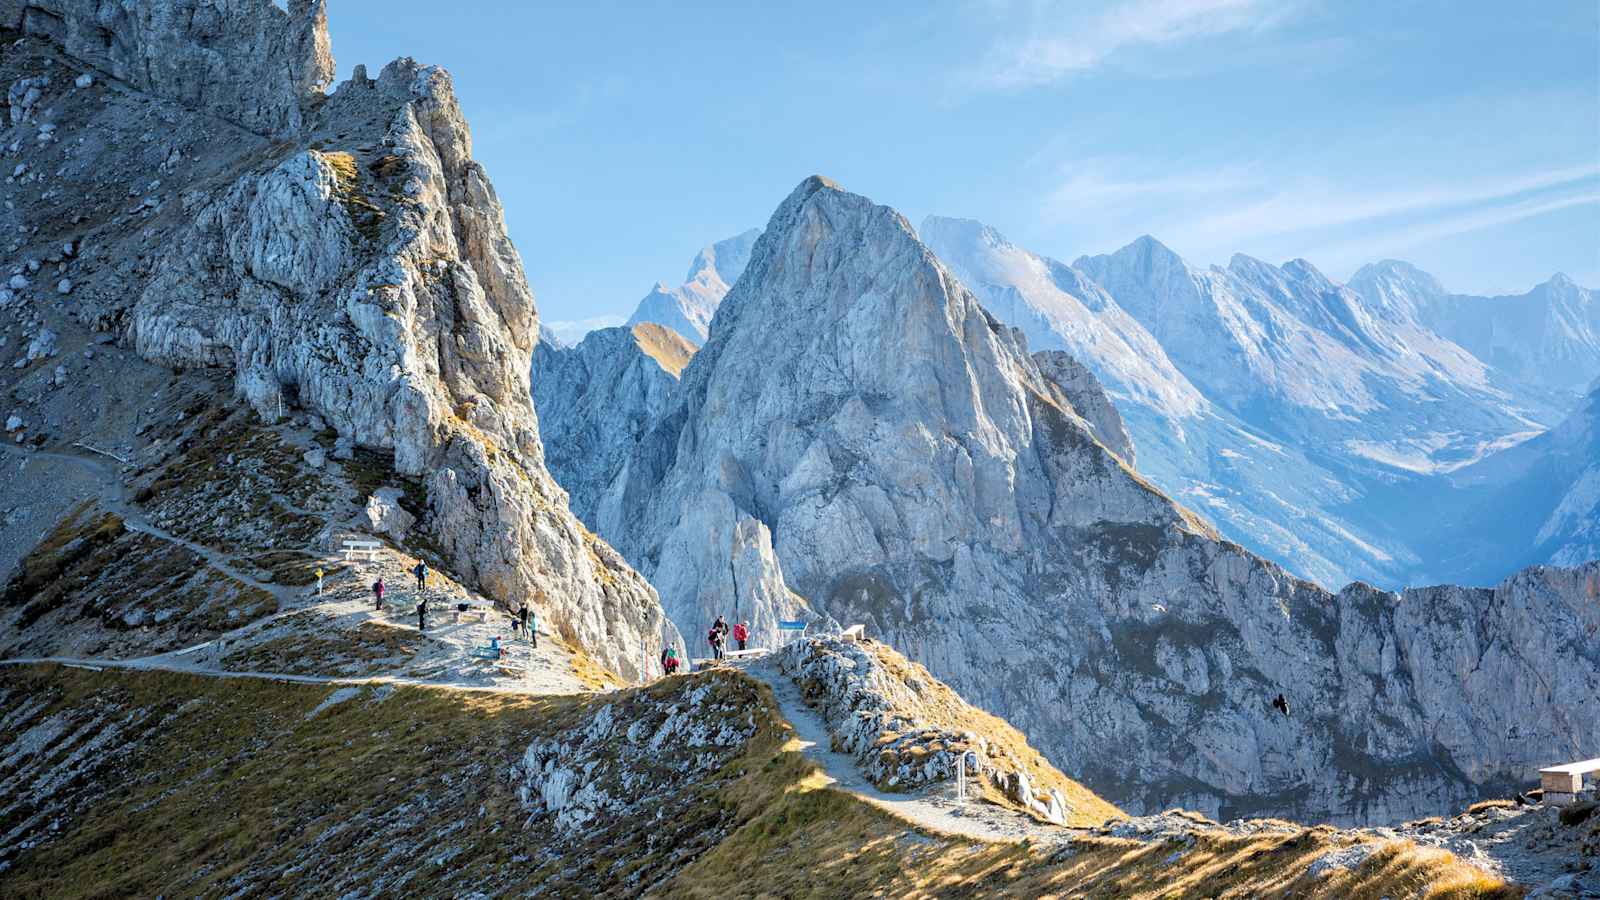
(597, 399)
(899, 459)
(356, 267)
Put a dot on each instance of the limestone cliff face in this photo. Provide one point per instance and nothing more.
(880, 444)
(597, 399)
(356, 267)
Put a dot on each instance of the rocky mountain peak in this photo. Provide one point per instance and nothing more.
(860, 439)
(689, 308)
(338, 256)
(726, 258)
(1398, 273)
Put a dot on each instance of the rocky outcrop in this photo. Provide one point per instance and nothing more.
(688, 308)
(906, 464)
(358, 269)
(596, 400)
(1089, 400)
(633, 758)
(906, 730)
(250, 62)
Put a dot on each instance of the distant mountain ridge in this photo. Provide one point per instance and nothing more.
(1297, 412)
(1548, 337)
(861, 438)
(688, 308)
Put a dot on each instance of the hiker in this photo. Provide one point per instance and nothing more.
(377, 593)
(532, 626)
(741, 633)
(522, 620)
(669, 661)
(421, 571)
(422, 615)
(1281, 705)
(319, 581)
(720, 626)
(715, 637)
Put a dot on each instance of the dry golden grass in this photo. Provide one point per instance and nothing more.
(825, 844)
(1491, 804)
(664, 345)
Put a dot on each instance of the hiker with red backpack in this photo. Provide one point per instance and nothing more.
(741, 633)
(377, 594)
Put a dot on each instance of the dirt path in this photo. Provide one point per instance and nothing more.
(933, 810)
(154, 664)
(113, 497)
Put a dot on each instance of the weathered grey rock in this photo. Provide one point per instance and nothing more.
(13, 423)
(42, 346)
(246, 61)
(316, 457)
(384, 514)
(1088, 399)
(916, 471)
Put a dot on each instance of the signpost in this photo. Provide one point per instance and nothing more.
(792, 625)
(961, 774)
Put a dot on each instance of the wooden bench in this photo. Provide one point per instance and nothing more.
(364, 549)
(740, 654)
(1563, 783)
(853, 634)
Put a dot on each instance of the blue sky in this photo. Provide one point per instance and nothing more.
(1462, 136)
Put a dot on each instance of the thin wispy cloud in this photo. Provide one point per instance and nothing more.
(1064, 43)
(571, 331)
(1310, 207)
(1210, 213)
(1389, 242)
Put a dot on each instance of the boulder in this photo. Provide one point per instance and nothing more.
(385, 515)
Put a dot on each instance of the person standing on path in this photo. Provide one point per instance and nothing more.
(319, 581)
(421, 571)
(522, 621)
(741, 633)
(532, 626)
(377, 594)
(422, 614)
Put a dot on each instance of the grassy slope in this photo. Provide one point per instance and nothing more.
(229, 784)
(228, 787)
(825, 844)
